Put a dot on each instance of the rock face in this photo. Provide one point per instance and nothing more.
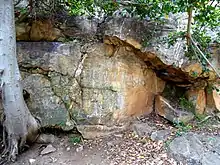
(146, 37)
(94, 83)
(213, 96)
(196, 149)
(166, 110)
(169, 61)
(216, 97)
(67, 82)
(198, 98)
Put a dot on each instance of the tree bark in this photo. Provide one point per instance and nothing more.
(18, 124)
(188, 34)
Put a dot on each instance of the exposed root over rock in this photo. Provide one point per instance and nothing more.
(19, 126)
(15, 138)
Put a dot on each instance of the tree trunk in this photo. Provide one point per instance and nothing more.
(18, 124)
(188, 34)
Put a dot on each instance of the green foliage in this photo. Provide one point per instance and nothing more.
(173, 37)
(200, 117)
(75, 139)
(182, 128)
(167, 143)
(209, 89)
(186, 104)
(62, 124)
(23, 10)
(90, 7)
(212, 87)
(195, 74)
(206, 14)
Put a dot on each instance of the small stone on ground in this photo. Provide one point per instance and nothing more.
(48, 149)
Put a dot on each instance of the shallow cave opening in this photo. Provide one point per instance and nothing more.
(177, 97)
(173, 92)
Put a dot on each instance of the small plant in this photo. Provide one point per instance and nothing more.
(182, 128)
(75, 139)
(200, 117)
(186, 104)
(167, 143)
(173, 37)
(62, 124)
(209, 89)
(195, 74)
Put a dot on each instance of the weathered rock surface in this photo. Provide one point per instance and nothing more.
(169, 61)
(67, 83)
(198, 98)
(95, 131)
(142, 129)
(213, 97)
(48, 149)
(160, 135)
(164, 108)
(146, 37)
(105, 83)
(126, 87)
(43, 102)
(39, 30)
(196, 149)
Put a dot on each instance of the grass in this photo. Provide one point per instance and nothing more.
(75, 139)
(182, 128)
(186, 104)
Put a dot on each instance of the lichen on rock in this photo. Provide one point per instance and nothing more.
(93, 83)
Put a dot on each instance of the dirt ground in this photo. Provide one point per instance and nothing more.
(66, 154)
(119, 149)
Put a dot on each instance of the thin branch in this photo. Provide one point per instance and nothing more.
(17, 2)
(188, 34)
(129, 3)
(193, 42)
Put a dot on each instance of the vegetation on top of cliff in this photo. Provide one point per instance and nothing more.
(202, 28)
(19, 125)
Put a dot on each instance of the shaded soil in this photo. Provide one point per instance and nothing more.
(120, 149)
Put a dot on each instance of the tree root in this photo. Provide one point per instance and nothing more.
(10, 149)
(14, 143)
(3, 161)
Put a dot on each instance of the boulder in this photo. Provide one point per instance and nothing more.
(38, 30)
(97, 131)
(43, 102)
(44, 30)
(88, 85)
(147, 37)
(213, 97)
(196, 149)
(126, 87)
(51, 85)
(198, 98)
(107, 83)
(164, 108)
(142, 129)
(161, 135)
(22, 32)
(79, 26)
(216, 96)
